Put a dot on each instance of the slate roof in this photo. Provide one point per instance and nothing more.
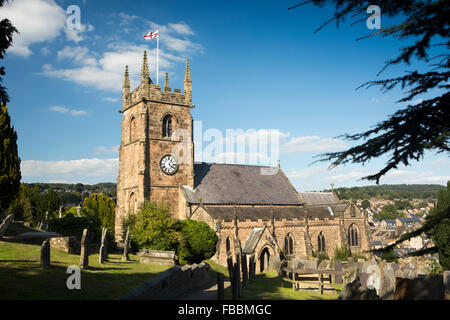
(280, 212)
(409, 220)
(318, 198)
(241, 184)
(252, 240)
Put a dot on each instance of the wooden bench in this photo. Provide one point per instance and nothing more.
(304, 279)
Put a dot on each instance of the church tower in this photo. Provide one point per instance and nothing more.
(156, 154)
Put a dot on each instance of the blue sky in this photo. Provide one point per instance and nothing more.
(255, 65)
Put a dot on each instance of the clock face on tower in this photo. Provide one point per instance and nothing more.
(168, 164)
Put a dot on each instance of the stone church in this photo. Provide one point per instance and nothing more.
(260, 215)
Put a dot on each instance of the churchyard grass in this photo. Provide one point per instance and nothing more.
(21, 276)
(267, 286)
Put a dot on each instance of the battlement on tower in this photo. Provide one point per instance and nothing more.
(149, 91)
(154, 92)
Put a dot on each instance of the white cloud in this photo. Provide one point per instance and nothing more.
(414, 177)
(80, 55)
(36, 21)
(111, 99)
(312, 144)
(45, 51)
(39, 21)
(82, 170)
(308, 173)
(71, 112)
(107, 72)
(76, 35)
(107, 150)
(181, 28)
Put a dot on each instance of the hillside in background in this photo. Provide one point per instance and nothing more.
(390, 192)
(74, 193)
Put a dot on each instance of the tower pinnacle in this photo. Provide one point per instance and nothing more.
(166, 83)
(145, 74)
(188, 83)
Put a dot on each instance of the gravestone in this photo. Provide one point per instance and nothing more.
(238, 275)
(78, 211)
(307, 264)
(251, 267)
(45, 254)
(387, 282)
(125, 246)
(446, 279)
(60, 212)
(103, 254)
(354, 291)
(84, 256)
(220, 287)
(244, 269)
(374, 276)
(5, 224)
(232, 276)
(338, 267)
(430, 287)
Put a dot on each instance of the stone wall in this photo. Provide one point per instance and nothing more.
(172, 283)
(72, 245)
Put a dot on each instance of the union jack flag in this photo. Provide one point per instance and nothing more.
(151, 35)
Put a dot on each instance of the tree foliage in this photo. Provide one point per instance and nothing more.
(409, 132)
(6, 33)
(101, 210)
(31, 205)
(390, 192)
(9, 160)
(153, 228)
(198, 241)
(365, 204)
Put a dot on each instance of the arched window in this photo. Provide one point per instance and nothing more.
(132, 203)
(321, 242)
(132, 129)
(167, 126)
(289, 244)
(228, 244)
(353, 236)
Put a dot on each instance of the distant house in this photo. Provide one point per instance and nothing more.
(416, 243)
(408, 222)
(419, 216)
(389, 224)
(378, 244)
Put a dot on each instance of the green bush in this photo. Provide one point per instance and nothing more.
(441, 232)
(341, 253)
(153, 228)
(198, 242)
(69, 226)
(321, 256)
(389, 256)
(101, 209)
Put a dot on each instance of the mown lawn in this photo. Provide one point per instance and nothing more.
(21, 276)
(267, 286)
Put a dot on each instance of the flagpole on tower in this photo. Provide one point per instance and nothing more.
(150, 36)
